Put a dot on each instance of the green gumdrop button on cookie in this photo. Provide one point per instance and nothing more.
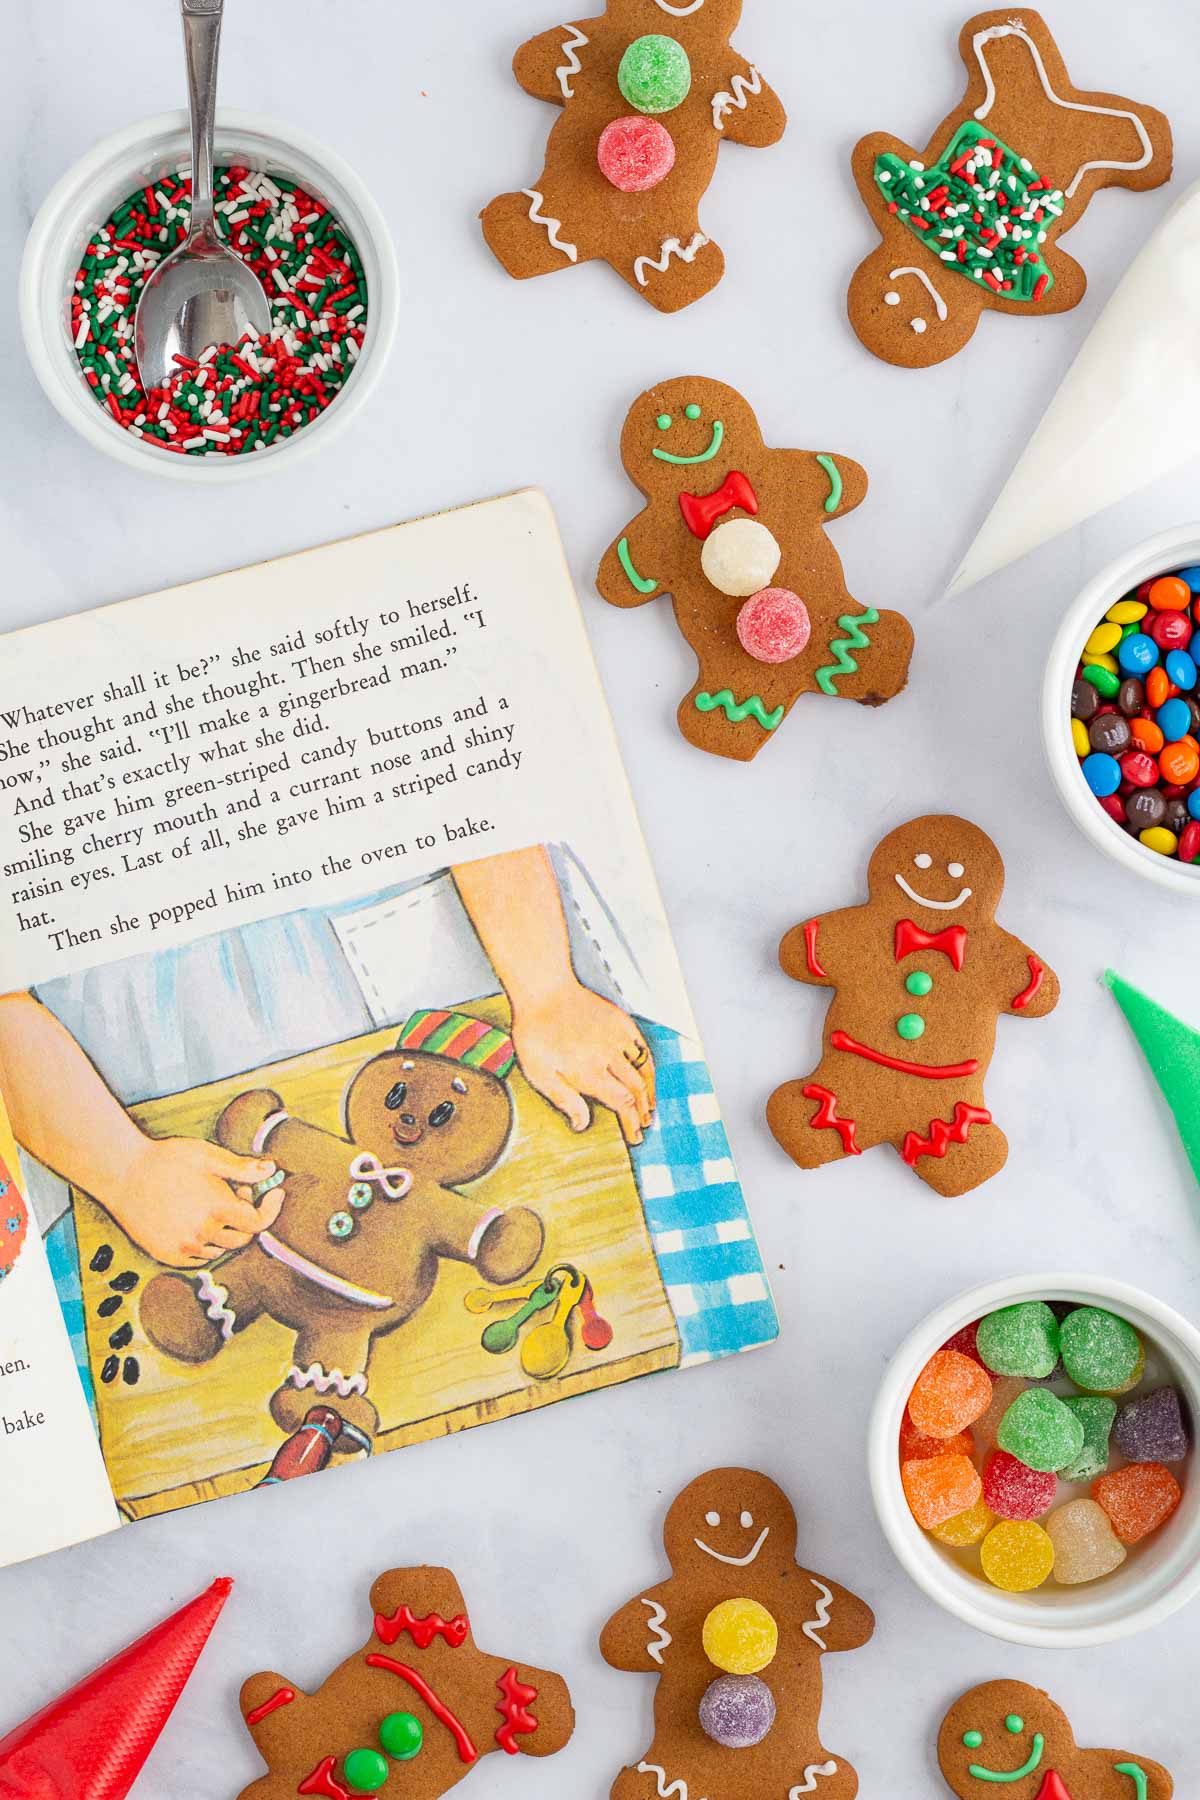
(655, 75)
(1040, 1431)
(1020, 1340)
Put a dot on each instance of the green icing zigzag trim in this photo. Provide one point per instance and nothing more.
(855, 639)
(735, 711)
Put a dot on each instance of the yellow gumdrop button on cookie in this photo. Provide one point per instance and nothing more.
(740, 1637)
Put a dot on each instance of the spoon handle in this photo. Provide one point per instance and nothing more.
(202, 43)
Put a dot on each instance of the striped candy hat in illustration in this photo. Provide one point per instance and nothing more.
(461, 1038)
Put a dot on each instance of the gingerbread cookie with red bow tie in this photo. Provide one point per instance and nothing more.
(1009, 1734)
(734, 532)
(921, 973)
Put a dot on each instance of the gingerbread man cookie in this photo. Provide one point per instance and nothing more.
(972, 222)
(355, 1251)
(412, 1712)
(735, 533)
(649, 91)
(920, 974)
(1009, 1734)
(735, 1636)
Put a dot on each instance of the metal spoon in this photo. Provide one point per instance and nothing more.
(202, 294)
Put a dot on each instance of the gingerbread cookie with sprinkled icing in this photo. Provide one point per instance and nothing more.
(735, 1636)
(649, 92)
(1008, 1734)
(920, 975)
(734, 532)
(972, 222)
(411, 1713)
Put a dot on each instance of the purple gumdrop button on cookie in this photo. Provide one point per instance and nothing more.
(1152, 1428)
(737, 1711)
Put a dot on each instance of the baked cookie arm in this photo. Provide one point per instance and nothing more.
(1033, 985)
(838, 1619)
(637, 1639)
(1159, 1785)
(832, 485)
(273, 1707)
(239, 1126)
(745, 109)
(630, 573)
(537, 1726)
(814, 952)
(546, 65)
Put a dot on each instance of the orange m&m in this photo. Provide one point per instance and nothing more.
(1146, 735)
(1159, 687)
(1170, 594)
(1180, 762)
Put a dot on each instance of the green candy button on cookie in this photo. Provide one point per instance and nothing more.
(655, 74)
(365, 1771)
(401, 1735)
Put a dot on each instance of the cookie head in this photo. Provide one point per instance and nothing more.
(688, 435)
(1004, 1732)
(731, 1518)
(433, 1111)
(676, 18)
(937, 869)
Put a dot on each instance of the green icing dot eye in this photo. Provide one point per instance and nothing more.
(692, 411)
(664, 421)
(972, 1739)
(1013, 1724)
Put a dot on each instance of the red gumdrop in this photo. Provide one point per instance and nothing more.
(773, 626)
(1114, 806)
(635, 154)
(1140, 768)
(1013, 1491)
(1170, 630)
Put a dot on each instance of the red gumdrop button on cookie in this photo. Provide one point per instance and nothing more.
(773, 626)
(950, 1393)
(1014, 1491)
(635, 154)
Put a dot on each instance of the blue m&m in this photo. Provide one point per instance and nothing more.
(1174, 719)
(1102, 773)
(1181, 669)
(1137, 654)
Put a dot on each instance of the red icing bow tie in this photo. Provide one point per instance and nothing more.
(701, 511)
(952, 942)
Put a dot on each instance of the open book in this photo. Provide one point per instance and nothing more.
(355, 1092)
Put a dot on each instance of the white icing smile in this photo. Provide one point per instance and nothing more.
(680, 12)
(735, 1562)
(935, 905)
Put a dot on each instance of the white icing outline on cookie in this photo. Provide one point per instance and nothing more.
(662, 1637)
(327, 1381)
(679, 12)
(808, 1785)
(934, 905)
(553, 226)
(660, 1774)
(735, 1562)
(572, 66)
(735, 95)
(820, 1618)
(671, 247)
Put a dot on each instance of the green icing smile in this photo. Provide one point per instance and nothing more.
(718, 438)
(1027, 1768)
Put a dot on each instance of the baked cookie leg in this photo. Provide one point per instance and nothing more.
(868, 656)
(331, 1364)
(809, 1121)
(528, 232)
(958, 1152)
(681, 268)
(192, 1317)
(715, 718)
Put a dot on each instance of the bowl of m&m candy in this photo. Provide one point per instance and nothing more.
(1122, 710)
(1032, 1457)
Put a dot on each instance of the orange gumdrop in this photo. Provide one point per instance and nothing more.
(1180, 762)
(1158, 686)
(1146, 734)
(938, 1488)
(950, 1393)
(1138, 1498)
(1170, 594)
(915, 1445)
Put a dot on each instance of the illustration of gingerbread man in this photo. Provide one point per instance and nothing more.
(973, 221)
(920, 974)
(649, 91)
(736, 1636)
(412, 1712)
(734, 532)
(1009, 1734)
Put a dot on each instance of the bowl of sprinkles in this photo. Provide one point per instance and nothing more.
(1121, 710)
(1032, 1459)
(304, 222)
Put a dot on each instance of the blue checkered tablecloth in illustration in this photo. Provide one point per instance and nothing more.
(696, 1212)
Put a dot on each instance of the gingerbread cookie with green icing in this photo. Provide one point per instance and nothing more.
(920, 975)
(972, 222)
(1008, 1737)
(411, 1713)
(734, 532)
(649, 92)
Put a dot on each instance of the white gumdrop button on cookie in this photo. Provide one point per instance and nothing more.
(740, 558)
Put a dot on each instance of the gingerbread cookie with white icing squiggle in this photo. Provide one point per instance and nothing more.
(972, 223)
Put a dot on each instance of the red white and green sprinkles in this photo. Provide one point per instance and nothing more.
(237, 397)
(980, 209)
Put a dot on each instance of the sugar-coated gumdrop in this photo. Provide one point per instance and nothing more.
(1040, 1431)
(655, 73)
(1005, 1389)
(966, 1527)
(950, 1393)
(1138, 1499)
(740, 1637)
(1020, 1340)
(939, 1487)
(774, 625)
(1100, 1351)
(1085, 1545)
(1014, 1491)
(1016, 1556)
(964, 1341)
(635, 154)
(740, 557)
(1152, 1428)
(737, 1711)
(915, 1444)
(1096, 1413)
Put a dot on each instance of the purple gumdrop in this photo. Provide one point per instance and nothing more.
(1152, 1428)
(737, 1711)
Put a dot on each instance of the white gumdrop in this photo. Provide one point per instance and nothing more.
(740, 557)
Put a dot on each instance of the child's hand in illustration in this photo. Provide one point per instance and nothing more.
(185, 1201)
(575, 1047)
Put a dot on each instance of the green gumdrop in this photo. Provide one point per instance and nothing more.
(1097, 1415)
(365, 1771)
(401, 1735)
(1020, 1340)
(1099, 1351)
(655, 75)
(1040, 1431)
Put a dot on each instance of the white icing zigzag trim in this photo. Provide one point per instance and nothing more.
(553, 226)
(327, 1381)
(662, 1638)
(671, 247)
(808, 1785)
(1014, 28)
(215, 1300)
(821, 1618)
(572, 66)
(740, 86)
(664, 1792)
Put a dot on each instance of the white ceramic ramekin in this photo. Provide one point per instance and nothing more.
(83, 199)
(1157, 1578)
(1177, 549)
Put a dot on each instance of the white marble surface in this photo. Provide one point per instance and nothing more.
(553, 1520)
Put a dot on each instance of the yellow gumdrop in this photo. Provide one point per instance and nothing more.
(1017, 1555)
(1158, 838)
(965, 1527)
(1080, 739)
(740, 1637)
(1127, 612)
(1103, 639)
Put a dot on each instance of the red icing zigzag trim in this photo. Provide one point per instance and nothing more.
(466, 1750)
(322, 1782)
(941, 1135)
(421, 1631)
(1037, 975)
(518, 1696)
(826, 1117)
